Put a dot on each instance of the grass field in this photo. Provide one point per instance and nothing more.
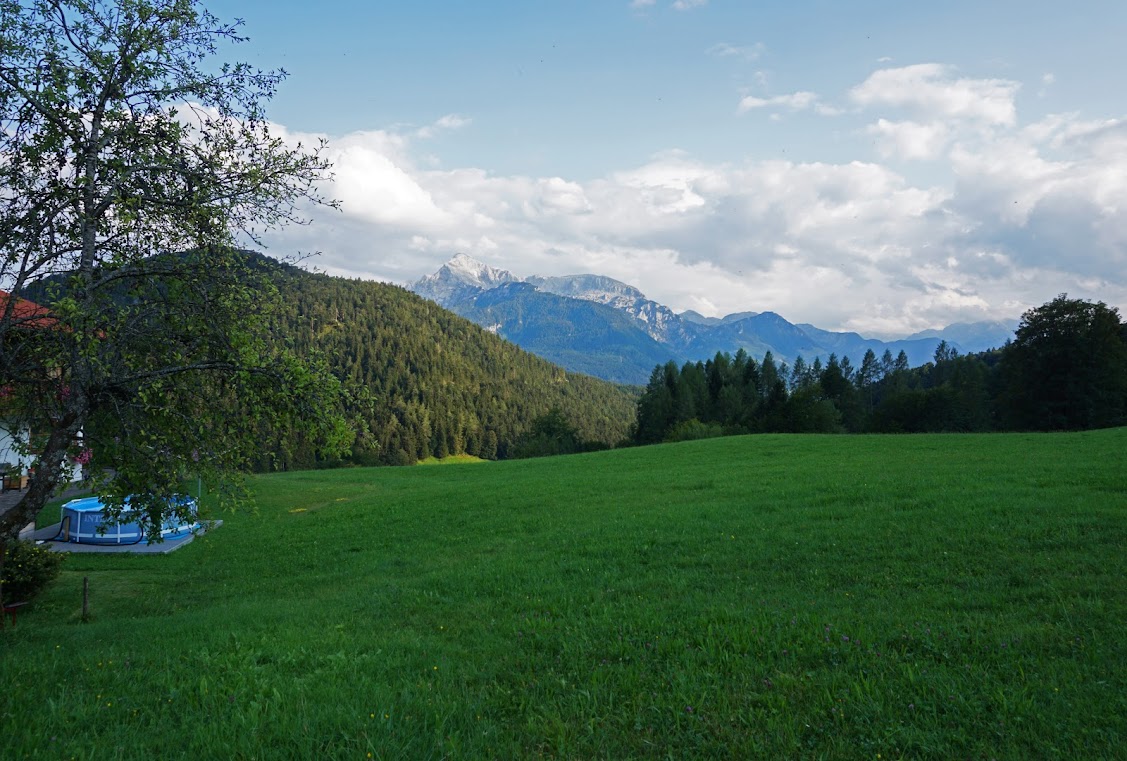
(753, 597)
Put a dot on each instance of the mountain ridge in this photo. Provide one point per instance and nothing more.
(626, 347)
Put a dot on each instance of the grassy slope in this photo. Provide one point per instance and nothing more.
(770, 596)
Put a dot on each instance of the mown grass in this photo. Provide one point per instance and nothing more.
(754, 597)
(455, 459)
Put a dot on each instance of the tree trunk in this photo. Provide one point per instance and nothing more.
(48, 475)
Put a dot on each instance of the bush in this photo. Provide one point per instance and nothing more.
(690, 430)
(28, 569)
(551, 434)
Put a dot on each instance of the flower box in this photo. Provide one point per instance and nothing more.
(15, 482)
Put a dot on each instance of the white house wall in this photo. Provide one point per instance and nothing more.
(9, 452)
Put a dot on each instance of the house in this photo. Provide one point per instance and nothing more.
(16, 436)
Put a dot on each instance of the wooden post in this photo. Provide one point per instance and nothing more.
(85, 598)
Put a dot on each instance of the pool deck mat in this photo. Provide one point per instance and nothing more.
(47, 536)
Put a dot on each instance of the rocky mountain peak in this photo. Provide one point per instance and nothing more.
(597, 288)
(470, 271)
(458, 276)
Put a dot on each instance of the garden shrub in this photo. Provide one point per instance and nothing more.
(690, 430)
(28, 569)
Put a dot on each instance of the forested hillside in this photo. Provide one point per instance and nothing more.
(437, 384)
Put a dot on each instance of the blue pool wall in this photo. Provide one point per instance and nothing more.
(82, 519)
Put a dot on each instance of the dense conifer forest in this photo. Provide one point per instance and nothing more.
(429, 383)
(1065, 370)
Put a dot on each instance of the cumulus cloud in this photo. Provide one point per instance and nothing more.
(1051, 197)
(933, 91)
(910, 140)
(1032, 210)
(684, 5)
(375, 181)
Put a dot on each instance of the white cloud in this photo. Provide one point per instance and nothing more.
(558, 196)
(1052, 197)
(684, 5)
(910, 140)
(371, 184)
(1032, 210)
(932, 91)
(641, 3)
(796, 101)
(447, 123)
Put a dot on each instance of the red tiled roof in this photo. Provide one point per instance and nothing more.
(27, 313)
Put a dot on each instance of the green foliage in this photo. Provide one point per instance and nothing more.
(808, 411)
(1066, 368)
(119, 211)
(691, 430)
(954, 596)
(424, 381)
(28, 569)
(550, 434)
(737, 394)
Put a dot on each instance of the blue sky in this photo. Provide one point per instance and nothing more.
(877, 166)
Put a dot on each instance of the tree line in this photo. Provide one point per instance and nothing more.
(1065, 369)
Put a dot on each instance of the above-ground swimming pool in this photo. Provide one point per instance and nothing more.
(84, 522)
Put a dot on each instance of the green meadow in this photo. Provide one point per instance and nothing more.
(880, 597)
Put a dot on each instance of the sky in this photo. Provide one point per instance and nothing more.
(876, 166)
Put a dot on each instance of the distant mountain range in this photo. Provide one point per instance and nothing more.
(603, 327)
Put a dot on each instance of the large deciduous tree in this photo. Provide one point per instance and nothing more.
(1066, 367)
(132, 161)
